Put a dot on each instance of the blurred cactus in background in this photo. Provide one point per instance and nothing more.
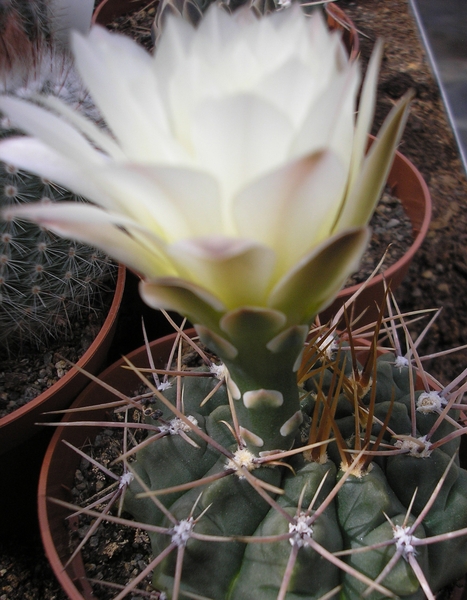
(44, 280)
(24, 28)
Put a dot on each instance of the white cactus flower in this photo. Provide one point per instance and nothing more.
(234, 173)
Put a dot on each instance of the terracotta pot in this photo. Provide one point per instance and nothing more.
(408, 185)
(20, 425)
(60, 463)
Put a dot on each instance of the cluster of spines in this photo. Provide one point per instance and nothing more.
(366, 514)
(45, 281)
(372, 502)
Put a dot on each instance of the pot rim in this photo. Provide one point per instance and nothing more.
(73, 579)
(11, 425)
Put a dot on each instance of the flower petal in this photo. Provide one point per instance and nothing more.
(315, 281)
(33, 155)
(52, 130)
(366, 109)
(329, 122)
(236, 271)
(173, 48)
(173, 202)
(95, 134)
(293, 208)
(185, 298)
(216, 30)
(119, 74)
(240, 138)
(289, 89)
(96, 227)
(366, 191)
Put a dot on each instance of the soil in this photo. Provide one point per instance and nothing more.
(23, 379)
(437, 277)
(391, 233)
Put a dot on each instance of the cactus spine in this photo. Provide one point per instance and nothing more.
(346, 515)
(44, 280)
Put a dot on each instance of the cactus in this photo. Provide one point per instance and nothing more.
(193, 10)
(25, 31)
(44, 280)
(27, 26)
(369, 502)
(329, 503)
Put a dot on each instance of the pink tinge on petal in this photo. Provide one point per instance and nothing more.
(237, 271)
(215, 248)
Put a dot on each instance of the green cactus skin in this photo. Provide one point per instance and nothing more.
(355, 518)
(264, 564)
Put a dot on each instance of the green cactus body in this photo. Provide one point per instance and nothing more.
(263, 565)
(374, 505)
(401, 579)
(209, 566)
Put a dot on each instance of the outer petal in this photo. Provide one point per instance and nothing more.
(96, 227)
(52, 130)
(365, 193)
(236, 271)
(185, 298)
(120, 77)
(294, 208)
(329, 122)
(315, 281)
(366, 109)
(173, 48)
(95, 134)
(34, 156)
(240, 138)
